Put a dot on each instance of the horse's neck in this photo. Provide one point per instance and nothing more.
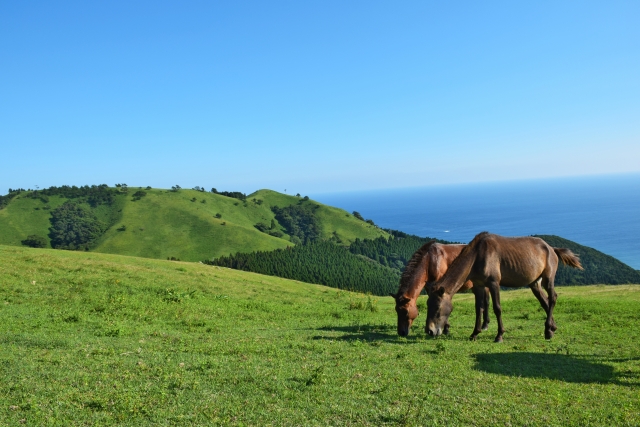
(458, 271)
(419, 279)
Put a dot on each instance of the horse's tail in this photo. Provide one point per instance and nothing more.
(568, 258)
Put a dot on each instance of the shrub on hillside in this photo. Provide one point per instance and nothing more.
(261, 226)
(139, 195)
(232, 194)
(35, 241)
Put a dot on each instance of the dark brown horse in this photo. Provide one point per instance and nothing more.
(427, 264)
(491, 261)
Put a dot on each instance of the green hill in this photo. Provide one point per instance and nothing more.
(110, 340)
(189, 225)
(598, 267)
(375, 265)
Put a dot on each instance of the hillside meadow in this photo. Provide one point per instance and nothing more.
(100, 339)
(187, 224)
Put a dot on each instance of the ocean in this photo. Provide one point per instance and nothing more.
(602, 212)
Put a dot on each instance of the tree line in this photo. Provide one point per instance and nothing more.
(375, 265)
(320, 262)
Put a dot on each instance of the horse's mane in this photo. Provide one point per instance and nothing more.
(461, 263)
(414, 262)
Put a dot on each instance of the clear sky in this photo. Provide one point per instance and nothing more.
(316, 96)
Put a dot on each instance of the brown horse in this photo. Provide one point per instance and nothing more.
(491, 261)
(427, 264)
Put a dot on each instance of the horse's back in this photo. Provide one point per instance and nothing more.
(516, 261)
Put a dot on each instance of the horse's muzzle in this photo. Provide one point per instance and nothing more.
(432, 331)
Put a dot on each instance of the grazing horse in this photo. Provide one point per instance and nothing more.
(491, 261)
(427, 264)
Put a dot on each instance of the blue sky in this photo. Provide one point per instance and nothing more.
(316, 96)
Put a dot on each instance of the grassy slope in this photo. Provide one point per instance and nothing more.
(337, 220)
(21, 219)
(164, 224)
(96, 339)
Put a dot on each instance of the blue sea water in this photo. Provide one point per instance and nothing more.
(602, 212)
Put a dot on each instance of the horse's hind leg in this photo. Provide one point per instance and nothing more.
(544, 302)
(494, 287)
(478, 291)
(485, 323)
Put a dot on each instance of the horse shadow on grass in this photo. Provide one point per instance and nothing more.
(369, 333)
(551, 366)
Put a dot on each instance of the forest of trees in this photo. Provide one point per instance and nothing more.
(320, 262)
(94, 195)
(375, 265)
(74, 227)
(299, 221)
(394, 252)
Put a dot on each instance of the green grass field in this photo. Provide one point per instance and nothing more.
(99, 339)
(169, 224)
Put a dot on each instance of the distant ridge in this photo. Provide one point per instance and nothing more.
(374, 265)
(176, 223)
(599, 268)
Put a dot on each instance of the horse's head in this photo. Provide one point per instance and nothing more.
(439, 308)
(407, 312)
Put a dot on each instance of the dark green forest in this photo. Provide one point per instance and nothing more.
(375, 265)
(320, 262)
(369, 266)
(299, 221)
(394, 252)
(74, 227)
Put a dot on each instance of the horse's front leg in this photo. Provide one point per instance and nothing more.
(550, 325)
(494, 288)
(478, 291)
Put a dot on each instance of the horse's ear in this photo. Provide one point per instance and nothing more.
(394, 296)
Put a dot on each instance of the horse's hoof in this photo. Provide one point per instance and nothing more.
(548, 334)
(485, 327)
(498, 339)
(472, 337)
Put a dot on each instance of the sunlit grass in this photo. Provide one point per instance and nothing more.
(95, 339)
